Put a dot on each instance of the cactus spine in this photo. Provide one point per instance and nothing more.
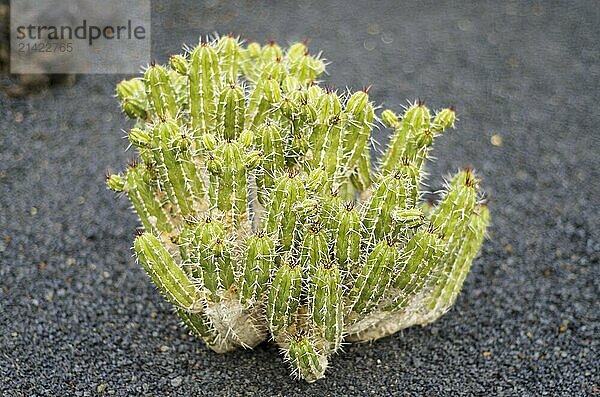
(262, 214)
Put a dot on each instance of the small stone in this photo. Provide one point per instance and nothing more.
(496, 140)
(176, 382)
(513, 62)
(164, 348)
(373, 28)
(487, 354)
(101, 388)
(563, 327)
(465, 25)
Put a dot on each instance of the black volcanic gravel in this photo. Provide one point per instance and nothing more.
(79, 318)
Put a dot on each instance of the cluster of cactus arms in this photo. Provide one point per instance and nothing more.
(263, 218)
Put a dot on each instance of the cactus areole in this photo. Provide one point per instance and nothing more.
(262, 216)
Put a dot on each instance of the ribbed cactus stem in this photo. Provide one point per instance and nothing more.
(373, 278)
(284, 297)
(306, 360)
(161, 91)
(348, 237)
(270, 143)
(314, 252)
(398, 190)
(232, 190)
(282, 216)
(463, 230)
(420, 256)
(203, 88)
(228, 50)
(142, 193)
(259, 261)
(360, 116)
(170, 279)
(326, 306)
(475, 236)
(132, 94)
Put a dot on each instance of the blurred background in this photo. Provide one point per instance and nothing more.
(79, 317)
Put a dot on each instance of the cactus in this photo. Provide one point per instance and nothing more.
(263, 217)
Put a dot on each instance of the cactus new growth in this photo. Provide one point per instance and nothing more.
(262, 216)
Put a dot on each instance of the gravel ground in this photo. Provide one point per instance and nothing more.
(79, 317)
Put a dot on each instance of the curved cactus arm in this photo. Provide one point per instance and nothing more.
(419, 258)
(416, 117)
(451, 218)
(458, 261)
(373, 278)
(169, 277)
(144, 198)
(200, 326)
(471, 245)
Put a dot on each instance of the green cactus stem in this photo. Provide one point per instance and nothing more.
(265, 215)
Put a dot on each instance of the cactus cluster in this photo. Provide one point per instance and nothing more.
(263, 218)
